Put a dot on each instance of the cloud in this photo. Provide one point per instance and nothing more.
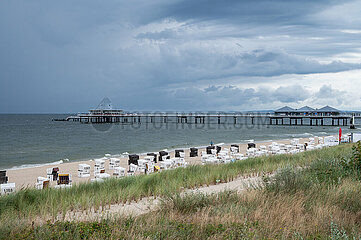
(235, 98)
(65, 56)
(329, 95)
(165, 34)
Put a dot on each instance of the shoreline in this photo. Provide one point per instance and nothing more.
(26, 177)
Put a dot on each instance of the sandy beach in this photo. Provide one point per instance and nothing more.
(26, 177)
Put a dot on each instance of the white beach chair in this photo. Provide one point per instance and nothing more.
(99, 165)
(133, 168)
(84, 170)
(119, 172)
(49, 174)
(7, 188)
(42, 182)
(114, 162)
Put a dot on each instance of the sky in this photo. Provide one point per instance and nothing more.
(179, 55)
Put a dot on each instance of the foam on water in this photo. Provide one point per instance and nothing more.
(36, 165)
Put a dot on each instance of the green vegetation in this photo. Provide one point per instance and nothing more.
(314, 195)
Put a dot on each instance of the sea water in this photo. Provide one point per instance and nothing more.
(34, 139)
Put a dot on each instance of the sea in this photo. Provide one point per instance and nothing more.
(28, 140)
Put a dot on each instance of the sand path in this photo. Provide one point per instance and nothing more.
(149, 204)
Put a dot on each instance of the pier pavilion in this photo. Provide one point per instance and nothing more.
(325, 116)
(304, 116)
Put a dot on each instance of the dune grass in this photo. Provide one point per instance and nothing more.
(320, 201)
(311, 188)
(86, 195)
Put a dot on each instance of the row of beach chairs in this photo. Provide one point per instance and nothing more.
(217, 155)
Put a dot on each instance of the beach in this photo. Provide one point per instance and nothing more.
(26, 177)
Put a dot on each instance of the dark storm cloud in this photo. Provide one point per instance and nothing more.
(64, 56)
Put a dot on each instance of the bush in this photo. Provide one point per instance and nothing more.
(354, 163)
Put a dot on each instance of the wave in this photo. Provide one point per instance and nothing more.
(38, 165)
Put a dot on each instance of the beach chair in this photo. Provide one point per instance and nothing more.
(163, 155)
(49, 174)
(114, 162)
(154, 155)
(251, 145)
(235, 148)
(3, 177)
(132, 169)
(99, 165)
(64, 179)
(142, 165)
(42, 183)
(119, 172)
(177, 152)
(209, 149)
(193, 152)
(7, 188)
(84, 170)
(52, 173)
(167, 164)
(133, 159)
(251, 152)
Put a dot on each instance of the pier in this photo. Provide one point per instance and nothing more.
(286, 116)
(214, 118)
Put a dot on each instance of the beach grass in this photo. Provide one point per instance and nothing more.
(310, 189)
(314, 195)
(98, 194)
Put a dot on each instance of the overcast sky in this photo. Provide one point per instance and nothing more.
(186, 55)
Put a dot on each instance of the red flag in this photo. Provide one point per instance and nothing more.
(339, 135)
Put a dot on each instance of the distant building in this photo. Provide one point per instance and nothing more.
(327, 111)
(307, 111)
(105, 107)
(286, 110)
